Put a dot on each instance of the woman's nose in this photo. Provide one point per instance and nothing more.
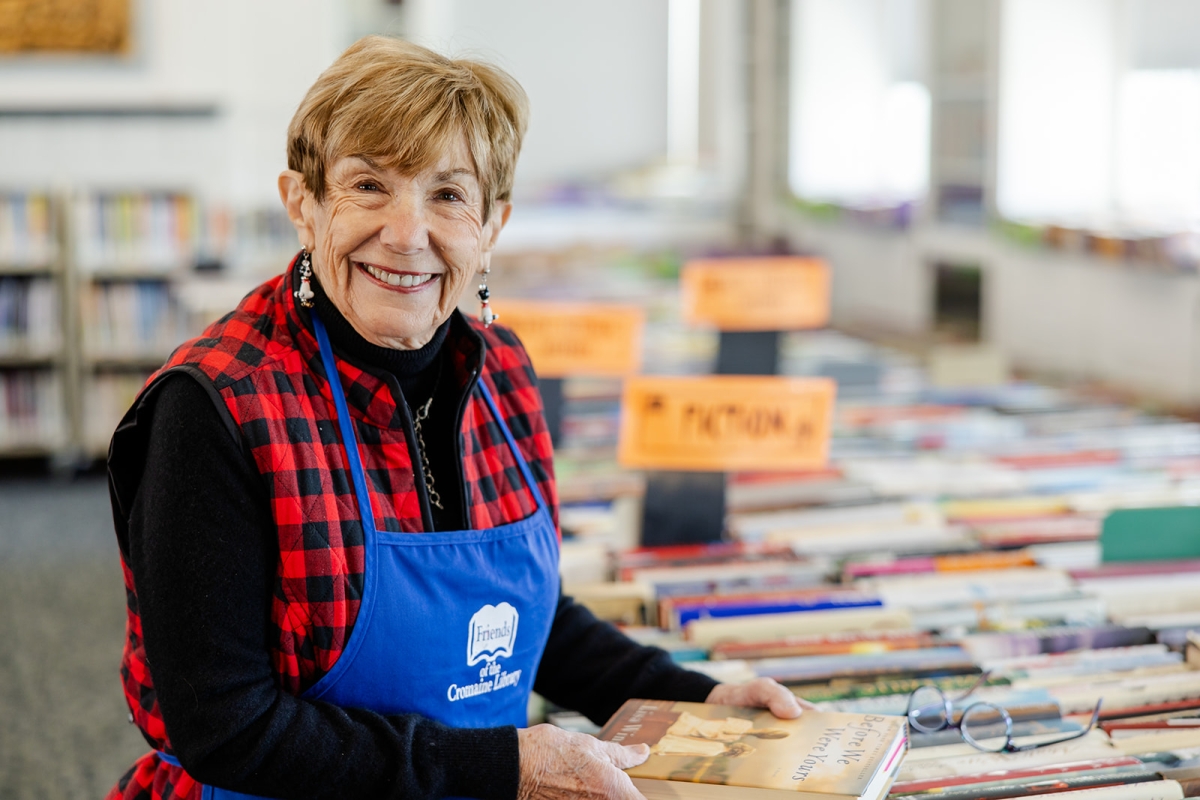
(405, 229)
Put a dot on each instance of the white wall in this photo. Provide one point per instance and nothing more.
(596, 75)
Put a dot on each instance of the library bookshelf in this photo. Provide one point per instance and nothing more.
(34, 365)
(97, 287)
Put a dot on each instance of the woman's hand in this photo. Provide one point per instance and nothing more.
(558, 764)
(759, 693)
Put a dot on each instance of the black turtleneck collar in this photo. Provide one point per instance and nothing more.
(404, 364)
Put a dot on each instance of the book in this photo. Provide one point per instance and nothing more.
(951, 760)
(707, 632)
(949, 660)
(1050, 770)
(675, 613)
(1153, 790)
(704, 751)
(1053, 785)
(1059, 639)
(829, 644)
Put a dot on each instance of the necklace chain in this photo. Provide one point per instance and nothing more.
(422, 415)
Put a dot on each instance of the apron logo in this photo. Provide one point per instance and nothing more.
(493, 631)
(491, 634)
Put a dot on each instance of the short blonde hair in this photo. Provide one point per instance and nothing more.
(403, 105)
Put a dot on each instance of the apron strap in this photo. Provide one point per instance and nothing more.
(512, 445)
(349, 440)
(168, 759)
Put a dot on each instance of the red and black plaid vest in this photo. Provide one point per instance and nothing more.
(265, 365)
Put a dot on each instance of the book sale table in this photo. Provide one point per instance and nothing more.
(873, 533)
(1016, 546)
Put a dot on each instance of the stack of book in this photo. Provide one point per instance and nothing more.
(956, 539)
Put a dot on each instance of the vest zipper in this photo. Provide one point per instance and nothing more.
(472, 379)
(414, 454)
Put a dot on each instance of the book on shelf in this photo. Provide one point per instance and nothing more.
(704, 751)
(29, 317)
(26, 230)
(32, 412)
(131, 319)
(135, 231)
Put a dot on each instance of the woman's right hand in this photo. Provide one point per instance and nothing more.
(558, 764)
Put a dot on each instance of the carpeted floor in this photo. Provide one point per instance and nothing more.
(63, 722)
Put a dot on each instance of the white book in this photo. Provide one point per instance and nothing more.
(767, 627)
(927, 763)
(1151, 790)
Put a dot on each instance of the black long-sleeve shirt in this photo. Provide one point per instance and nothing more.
(202, 550)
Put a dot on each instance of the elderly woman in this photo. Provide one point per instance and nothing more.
(336, 508)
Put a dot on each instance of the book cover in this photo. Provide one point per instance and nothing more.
(818, 755)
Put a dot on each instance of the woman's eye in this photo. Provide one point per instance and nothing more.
(447, 194)
(368, 186)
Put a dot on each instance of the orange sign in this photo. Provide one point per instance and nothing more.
(577, 338)
(724, 422)
(777, 293)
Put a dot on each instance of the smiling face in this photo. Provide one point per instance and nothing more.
(396, 252)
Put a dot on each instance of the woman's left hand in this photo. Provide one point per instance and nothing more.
(760, 693)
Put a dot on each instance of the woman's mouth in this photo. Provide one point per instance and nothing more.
(402, 280)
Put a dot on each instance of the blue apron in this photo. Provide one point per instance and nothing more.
(452, 624)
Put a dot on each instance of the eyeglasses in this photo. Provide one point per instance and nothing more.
(984, 726)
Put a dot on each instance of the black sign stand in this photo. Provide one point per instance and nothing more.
(552, 406)
(689, 507)
(748, 353)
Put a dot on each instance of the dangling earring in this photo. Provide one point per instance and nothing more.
(485, 311)
(305, 293)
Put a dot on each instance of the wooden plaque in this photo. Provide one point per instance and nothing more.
(65, 26)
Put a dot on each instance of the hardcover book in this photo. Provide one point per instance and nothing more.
(700, 751)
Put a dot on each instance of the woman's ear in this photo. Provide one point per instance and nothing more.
(297, 200)
(491, 232)
(496, 222)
